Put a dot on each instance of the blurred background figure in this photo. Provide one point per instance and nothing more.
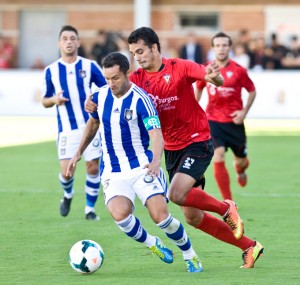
(192, 50)
(240, 56)
(104, 45)
(279, 51)
(38, 64)
(291, 59)
(6, 54)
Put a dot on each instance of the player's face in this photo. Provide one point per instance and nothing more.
(117, 81)
(68, 43)
(144, 55)
(221, 48)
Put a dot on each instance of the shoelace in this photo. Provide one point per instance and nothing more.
(230, 222)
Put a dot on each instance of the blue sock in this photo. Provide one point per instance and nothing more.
(67, 186)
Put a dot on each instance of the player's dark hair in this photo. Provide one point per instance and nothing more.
(221, 35)
(147, 35)
(69, 29)
(116, 58)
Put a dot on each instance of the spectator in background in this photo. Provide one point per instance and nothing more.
(291, 59)
(240, 56)
(244, 39)
(38, 64)
(278, 51)
(191, 50)
(104, 45)
(122, 46)
(6, 54)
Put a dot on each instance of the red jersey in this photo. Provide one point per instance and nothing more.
(225, 99)
(182, 119)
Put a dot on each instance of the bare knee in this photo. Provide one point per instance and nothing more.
(92, 167)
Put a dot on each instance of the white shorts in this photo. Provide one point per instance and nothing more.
(68, 143)
(131, 184)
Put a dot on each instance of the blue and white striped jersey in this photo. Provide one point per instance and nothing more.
(75, 79)
(124, 126)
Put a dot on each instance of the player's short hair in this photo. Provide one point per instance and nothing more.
(221, 35)
(147, 35)
(116, 58)
(69, 29)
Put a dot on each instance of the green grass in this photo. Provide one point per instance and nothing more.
(35, 240)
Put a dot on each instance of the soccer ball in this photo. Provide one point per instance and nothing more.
(86, 256)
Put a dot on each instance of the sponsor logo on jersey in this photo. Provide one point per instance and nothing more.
(116, 110)
(82, 73)
(128, 114)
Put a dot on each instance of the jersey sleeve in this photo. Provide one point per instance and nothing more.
(246, 81)
(95, 114)
(200, 84)
(96, 75)
(194, 70)
(148, 113)
(48, 89)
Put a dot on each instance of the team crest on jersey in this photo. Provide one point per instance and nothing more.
(229, 74)
(82, 73)
(167, 78)
(128, 114)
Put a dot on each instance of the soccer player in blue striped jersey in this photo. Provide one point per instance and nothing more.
(128, 121)
(67, 83)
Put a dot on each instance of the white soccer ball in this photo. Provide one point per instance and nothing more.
(86, 256)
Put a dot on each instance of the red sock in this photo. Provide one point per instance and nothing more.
(221, 231)
(197, 198)
(223, 180)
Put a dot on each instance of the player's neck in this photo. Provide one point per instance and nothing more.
(157, 66)
(69, 59)
(222, 63)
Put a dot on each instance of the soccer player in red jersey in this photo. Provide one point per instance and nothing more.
(188, 144)
(226, 114)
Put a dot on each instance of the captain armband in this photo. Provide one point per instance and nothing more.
(151, 123)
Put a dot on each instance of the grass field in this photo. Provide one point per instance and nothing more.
(35, 240)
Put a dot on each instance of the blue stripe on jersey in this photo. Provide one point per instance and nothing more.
(145, 138)
(147, 101)
(126, 134)
(107, 131)
(64, 85)
(80, 87)
(96, 76)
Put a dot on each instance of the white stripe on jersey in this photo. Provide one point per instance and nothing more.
(125, 140)
(75, 80)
